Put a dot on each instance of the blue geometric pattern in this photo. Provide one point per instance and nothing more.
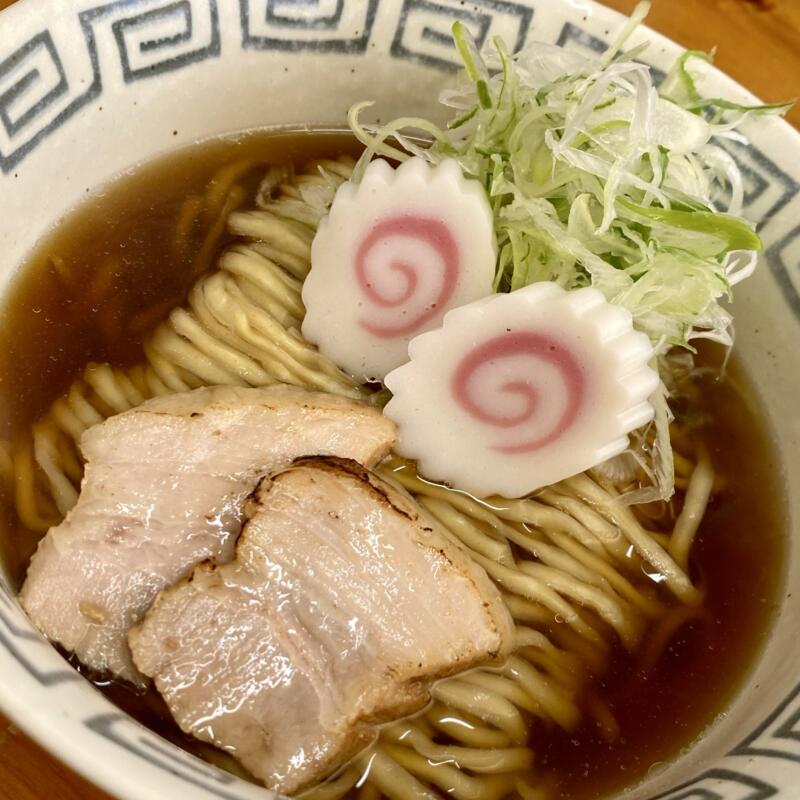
(12, 636)
(36, 96)
(721, 784)
(129, 735)
(779, 735)
(165, 38)
(576, 38)
(783, 257)
(423, 28)
(38, 93)
(768, 189)
(342, 26)
(29, 63)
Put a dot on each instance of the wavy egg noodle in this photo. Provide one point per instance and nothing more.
(240, 326)
(578, 568)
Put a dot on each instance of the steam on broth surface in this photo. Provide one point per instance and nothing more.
(99, 284)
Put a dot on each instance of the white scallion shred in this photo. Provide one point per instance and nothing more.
(597, 179)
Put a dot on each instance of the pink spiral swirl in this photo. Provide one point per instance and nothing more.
(432, 232)
(543, 348)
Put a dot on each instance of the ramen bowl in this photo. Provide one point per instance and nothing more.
(88, 90)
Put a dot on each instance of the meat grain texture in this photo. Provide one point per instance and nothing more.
(163, 490)
(340, 610)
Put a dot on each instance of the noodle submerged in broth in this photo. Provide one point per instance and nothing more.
(622, 613)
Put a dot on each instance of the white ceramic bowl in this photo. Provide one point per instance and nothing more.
(89, 88)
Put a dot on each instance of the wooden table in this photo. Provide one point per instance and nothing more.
(758, 44)
(757, 41)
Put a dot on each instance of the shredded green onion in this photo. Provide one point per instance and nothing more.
(597, 179)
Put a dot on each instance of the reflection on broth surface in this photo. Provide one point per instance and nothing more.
(98, 284)
(116, 266)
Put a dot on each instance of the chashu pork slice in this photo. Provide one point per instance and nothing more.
(339, 611)
(163, 490)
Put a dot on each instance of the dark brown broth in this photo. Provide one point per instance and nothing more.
(738, 559)
(48, 332)
(124, 275)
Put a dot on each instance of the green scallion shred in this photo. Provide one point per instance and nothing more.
(595, 178)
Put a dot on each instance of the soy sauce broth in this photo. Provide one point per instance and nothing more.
(111, 269)
(738, 559)
(105, 276)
